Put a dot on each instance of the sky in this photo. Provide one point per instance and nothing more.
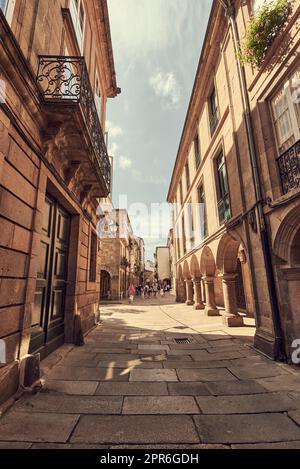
(156, 44)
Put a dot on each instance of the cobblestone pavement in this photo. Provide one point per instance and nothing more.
(134, 386)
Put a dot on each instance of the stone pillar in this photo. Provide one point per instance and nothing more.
(231, 318)
(198, 296)
(189, 292)
(210, 307)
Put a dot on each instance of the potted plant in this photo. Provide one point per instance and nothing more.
(263, 28)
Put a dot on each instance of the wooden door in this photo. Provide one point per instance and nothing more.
(49, 307)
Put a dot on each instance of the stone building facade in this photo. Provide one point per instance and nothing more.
(122, 258)
(235, 183)
(56, 72)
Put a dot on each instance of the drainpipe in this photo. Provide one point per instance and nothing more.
(280, 354)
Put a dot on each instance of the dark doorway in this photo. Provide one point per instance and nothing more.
(105, 286)
(240, 291)
(49, 306)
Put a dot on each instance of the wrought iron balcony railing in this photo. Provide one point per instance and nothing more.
(289, 168)
(65, 80)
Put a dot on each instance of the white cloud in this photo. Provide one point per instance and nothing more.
(113, 148)
(124, 162)
(113, 130)
(166, 86)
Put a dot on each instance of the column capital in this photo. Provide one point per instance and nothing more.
(196, 280)
(208, 278)
(188, 280)
(229, 277)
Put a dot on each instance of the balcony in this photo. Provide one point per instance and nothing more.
(69, 104)
(289, 168)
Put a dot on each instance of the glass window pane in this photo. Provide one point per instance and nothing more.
(3, 5)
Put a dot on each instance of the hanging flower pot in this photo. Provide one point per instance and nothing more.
(263, 28)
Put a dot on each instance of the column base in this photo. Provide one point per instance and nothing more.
(211, 312)
(189, 303)
(233, 320)
(199, 306)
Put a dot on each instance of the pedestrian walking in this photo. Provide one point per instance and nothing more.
(131, 292)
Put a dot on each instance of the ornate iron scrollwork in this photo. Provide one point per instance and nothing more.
(65, 79)
(289, 168)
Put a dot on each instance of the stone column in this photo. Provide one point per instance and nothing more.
(210, 307)
(189, 292)
(198, 297)
(231, 318)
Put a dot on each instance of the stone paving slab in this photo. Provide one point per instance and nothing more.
(14, 445)
(252, 371)
(39, 427)
(228, 388)
(295, 415)
(246, 404)
(160, 405)
(281, 383)
(66, 404)
(190, 364)
(190, 447)
(201, 355)
(129, 364)
(153, 375)
(135, 429)
(56, 446)
(206, 374)
(188, 389)
(283, 445)
(71, 387)
(87, 374)
(249, 428)
(132, 389)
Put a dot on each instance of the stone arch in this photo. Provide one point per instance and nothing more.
(186, 270)
(286, 235)
(227, 254)
(195, 267)
(207, 262)
(287, 270)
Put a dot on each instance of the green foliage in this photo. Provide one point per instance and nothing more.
(263, 28)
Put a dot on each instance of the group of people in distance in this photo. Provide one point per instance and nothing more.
(147, 291)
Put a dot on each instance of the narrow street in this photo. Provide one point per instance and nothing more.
(134, 385)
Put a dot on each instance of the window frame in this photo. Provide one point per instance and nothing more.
(197, 152)
(8, 10)
(92, 263)
(286, 89)
(202, 200)
(213, 114)
(187, 176)
(75, 7)
(222, 198)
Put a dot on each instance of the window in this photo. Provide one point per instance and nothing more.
(93, 258)
(213, 111)
(187, 176)
(202, 212)
(177, 236)
(197, 152)
(78, 17)
(7, 6)
(286, 112)
(183, 234)
(191, 228)
(257, 4)
(180, 192)
(98, 95)
(222, 189)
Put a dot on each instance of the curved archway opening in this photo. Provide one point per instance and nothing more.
(105, 285)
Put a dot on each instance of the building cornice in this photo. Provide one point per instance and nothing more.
(210, 49)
